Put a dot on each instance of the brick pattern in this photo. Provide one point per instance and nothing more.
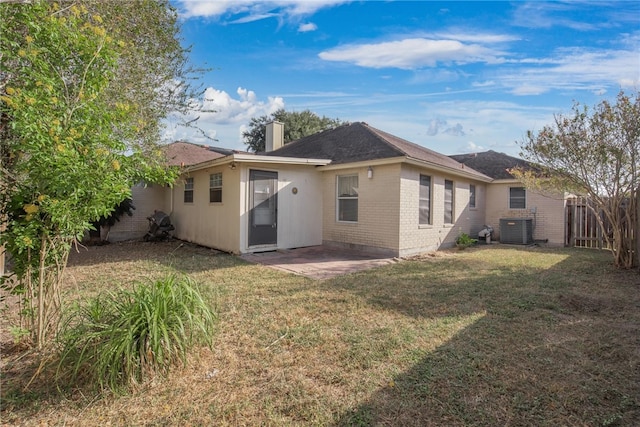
(546, 210)
(417, 238)
(388, 217)
(146, 200)
(378, 209)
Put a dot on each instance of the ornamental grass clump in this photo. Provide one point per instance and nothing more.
(123, 338)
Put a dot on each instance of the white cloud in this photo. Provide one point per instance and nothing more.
(486, 124)
(488, 83)
(472, 147)
(456, 130)
(252, 10)
(475, 37)
(412, 53)
(434, 126)
(220, 116)
(192, 8)
(576, 69)
(305, 28)
(220, 107)
(548, 14)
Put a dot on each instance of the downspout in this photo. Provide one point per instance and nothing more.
(171, 200)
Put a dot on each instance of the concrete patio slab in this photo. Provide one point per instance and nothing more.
(318, 262)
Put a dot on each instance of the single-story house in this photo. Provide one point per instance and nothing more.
(353, 186)
(507, 199)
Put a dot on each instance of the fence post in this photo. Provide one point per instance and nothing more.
(636, 231)
(2, 256)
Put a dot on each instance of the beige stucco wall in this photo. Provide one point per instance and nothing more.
(547, 211)
(299, 214)
(225, 225)
(388, 213)
(213, 225)
(146, 199)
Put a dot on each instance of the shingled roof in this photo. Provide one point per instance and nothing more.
(358, 142)
(491, 163)
(182, 153)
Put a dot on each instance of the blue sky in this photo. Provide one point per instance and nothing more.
(455, 77)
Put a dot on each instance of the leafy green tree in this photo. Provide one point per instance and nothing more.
(81, 106)
(595, 154)
(296, 126)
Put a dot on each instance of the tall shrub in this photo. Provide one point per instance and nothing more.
(79, 118)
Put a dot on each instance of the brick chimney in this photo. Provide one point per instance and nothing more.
(274, 136)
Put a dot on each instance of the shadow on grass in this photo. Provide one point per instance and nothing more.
(182, 256)
(559, 345)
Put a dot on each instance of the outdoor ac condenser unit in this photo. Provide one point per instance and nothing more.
(516, 231)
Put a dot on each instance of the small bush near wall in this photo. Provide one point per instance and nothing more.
(464, 241)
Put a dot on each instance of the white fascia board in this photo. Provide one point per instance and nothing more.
(252, 158)
(508, 181)
(277, 159)
(409, 160)
(365, 163)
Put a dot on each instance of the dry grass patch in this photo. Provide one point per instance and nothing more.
(487, 336)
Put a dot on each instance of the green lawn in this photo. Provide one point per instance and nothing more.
(489, 336)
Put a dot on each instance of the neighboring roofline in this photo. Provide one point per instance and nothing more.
(467, 173)
(251, 158)
(412, 161)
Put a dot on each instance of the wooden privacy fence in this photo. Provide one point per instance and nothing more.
(583, 229)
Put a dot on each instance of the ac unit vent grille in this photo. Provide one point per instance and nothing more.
(516, 231)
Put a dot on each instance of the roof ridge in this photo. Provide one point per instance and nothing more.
(375, 133)
(413, 144)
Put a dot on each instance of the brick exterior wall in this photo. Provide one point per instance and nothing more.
(378, 210)
(146, 199)
(546, 210)
(417, 238)
(388, 211)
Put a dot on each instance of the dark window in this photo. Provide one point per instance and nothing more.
(472, 196)
(347, 198)
(188, 190)
(517, 198)
(425, 200)
(215, 188)
(448, 201)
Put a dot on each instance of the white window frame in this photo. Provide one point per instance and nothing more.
(340, 198)
(215, 187)
(422, 199)
(188, 190)
(453, 204)
(473, 196)
(515, 198)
